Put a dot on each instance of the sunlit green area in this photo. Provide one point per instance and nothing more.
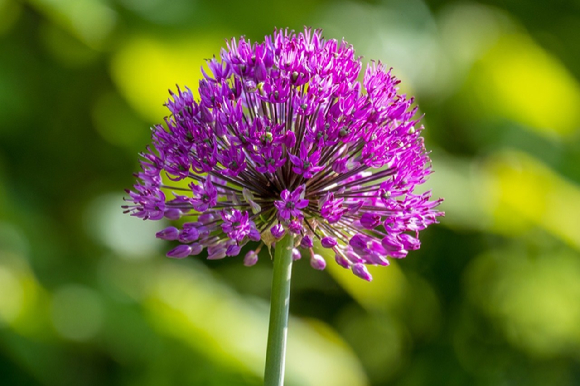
(88, 298)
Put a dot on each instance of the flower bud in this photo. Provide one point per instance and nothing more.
(370, 220)
(254, 235)
(187, 235)
(216, 253)
(306, 242)
(169, 233)
(361, 271)
(295, 226)
(290, 139)
(173, 214)
(328, 242)
(196, 249)
(341, 260)
(317, 262)
(391, 243)
(277, 231)
(251, 258)
(409, 242)
(233, 250)
(179, 252)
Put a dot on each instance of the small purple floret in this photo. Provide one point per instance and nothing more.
(235, 224)
(332, 210)
(305, 164)
(291, 204)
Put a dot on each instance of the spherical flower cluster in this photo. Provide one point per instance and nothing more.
(284, 138)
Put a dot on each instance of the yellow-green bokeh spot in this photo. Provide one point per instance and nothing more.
(145, 68)
(90, 21)
(522, 192)
(520, 81)
(25, 310)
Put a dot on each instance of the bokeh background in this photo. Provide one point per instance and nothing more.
(88, 298)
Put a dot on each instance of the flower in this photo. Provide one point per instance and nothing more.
(284, 138)
(291, 204)
(235, 224)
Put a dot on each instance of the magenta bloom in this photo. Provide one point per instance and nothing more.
(285, 139)
(235, 224)
(291, 204)
(304, 163)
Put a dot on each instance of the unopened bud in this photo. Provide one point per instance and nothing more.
(169, 233)
(251, 258)
(180, 251)
(317, 262)
(328, 242)
(361, 271)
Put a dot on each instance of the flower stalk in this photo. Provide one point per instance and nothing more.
(279, 306)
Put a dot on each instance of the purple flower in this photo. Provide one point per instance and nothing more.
(204, 197)
(291, 204)
(306, 164)
(295, 226)
(235, 224)
(284, 138)
(332, 210)
(173, 214)
(234, 159)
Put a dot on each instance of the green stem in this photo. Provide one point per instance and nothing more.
(279, 305)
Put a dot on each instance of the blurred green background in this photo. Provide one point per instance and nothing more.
(492, 297)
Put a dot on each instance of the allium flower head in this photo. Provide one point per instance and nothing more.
(284, 138)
